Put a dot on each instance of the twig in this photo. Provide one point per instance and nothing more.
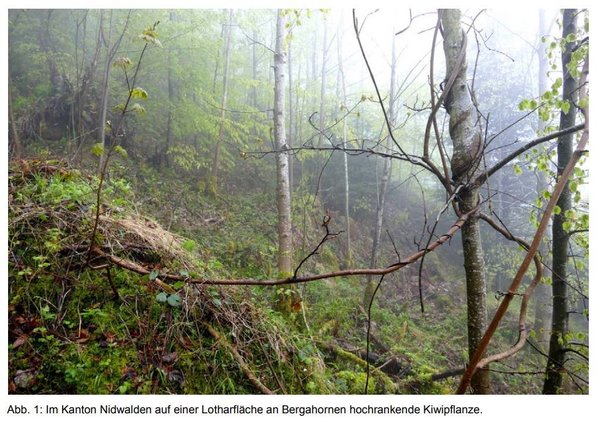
(328, 235)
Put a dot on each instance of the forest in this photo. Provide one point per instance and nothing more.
(294, 201)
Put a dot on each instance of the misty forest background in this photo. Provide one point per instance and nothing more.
(165, 164)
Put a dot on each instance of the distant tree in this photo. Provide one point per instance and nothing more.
(284, 218)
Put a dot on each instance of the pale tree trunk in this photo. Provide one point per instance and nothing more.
(323, 84)
(543, 296)
(290, 116)
(111, 52)
(15, 150)
(164, 155)
(466, 141)
(383, 183)
(560, 238)
(254, 70)
(284, 221)
(212, 182)
(342, 86)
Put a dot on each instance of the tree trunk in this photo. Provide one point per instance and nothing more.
(383, 183)
(15, 150)
(342, 87)
(284, 221)
(211, 184)
(104, 94)
(171, 92)
(543, 297)
(111, 51)
(560, 238)
(290, 116)
(466, 141)
(323, 84)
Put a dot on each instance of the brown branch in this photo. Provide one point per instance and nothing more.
(522, 339)
(328, 235)
(132, 266)
(239, 359)
(435, 106)
(486, 175)
(537, 239)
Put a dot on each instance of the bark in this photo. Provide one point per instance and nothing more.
(290, 116)
(111, 52)
(284, 225)
(543, 314)
(15, 150)
(212, 182)
(254, 70)
(323, 84)
(342, 86)
(171, 92)
(466, 141)
(560, 238)
(383, 183)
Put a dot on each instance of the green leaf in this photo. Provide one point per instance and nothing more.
(138, 92)
(174, 300)
(517, 169)
(98, 149)
(122, 62)
(573, 186)
(217, 302)
(121, 151)
(153, 275)
(546, 194)
(565, 106)
(556, 210)
(161, 297)
(524, 105)
(138, 108)
(557, 83)
(178, 285)
(571, 37)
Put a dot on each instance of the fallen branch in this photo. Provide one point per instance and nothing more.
(132, 266)
(239, 359)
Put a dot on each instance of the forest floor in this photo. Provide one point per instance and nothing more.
(81, 322)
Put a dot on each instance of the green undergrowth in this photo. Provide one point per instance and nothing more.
(82, 327)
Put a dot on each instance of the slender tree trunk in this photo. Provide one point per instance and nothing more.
(254, 70)
(543, 307)
(104, 92)
(16, 149)
(212, 182)
(171, 92)
(284, 226)
(342, 86)
(560, 238)
(323, 84)
(383, 183)
(467, 150)
(290, 116)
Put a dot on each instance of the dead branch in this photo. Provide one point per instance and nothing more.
(132, 266)
(239, 359)
(500, 164)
